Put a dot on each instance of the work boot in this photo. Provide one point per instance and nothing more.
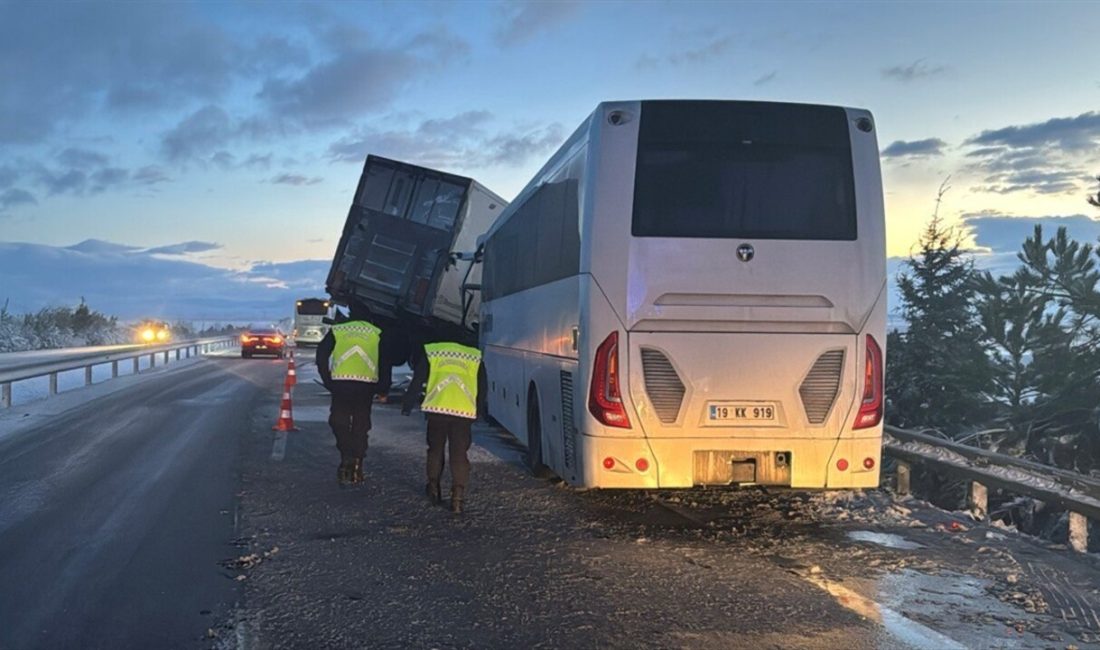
(343, 473)
(356, 471)
(435, 493)
(457, 495)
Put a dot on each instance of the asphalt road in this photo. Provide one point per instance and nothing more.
(165, 513)
(116, 513)
(533, 563)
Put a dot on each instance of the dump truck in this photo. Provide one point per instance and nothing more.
(409, 248)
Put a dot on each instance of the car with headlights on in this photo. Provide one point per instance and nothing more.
(263, 341)
(153, 331)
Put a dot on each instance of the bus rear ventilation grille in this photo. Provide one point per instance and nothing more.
(662, 385)
(568, 423)
(818, 391)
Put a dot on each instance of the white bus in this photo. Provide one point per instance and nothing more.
(694, 293)
(309, 317)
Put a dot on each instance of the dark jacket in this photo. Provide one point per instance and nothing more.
(415, 391)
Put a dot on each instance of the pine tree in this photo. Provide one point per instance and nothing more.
(1063, 429)
(938, 373)
(83, 318)
(1014, 324)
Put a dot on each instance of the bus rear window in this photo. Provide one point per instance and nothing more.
(313, 308)
(745, 171)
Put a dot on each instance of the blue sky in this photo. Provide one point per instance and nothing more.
(240, 127)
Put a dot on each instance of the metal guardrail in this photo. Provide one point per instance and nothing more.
(1077, 493)
(87, 360)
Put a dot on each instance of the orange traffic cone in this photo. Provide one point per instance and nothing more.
(286, 417)
(291, 374)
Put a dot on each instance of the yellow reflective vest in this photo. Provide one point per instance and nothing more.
(355, 355)
(452, 380)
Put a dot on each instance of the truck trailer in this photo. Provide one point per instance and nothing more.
(409, 248)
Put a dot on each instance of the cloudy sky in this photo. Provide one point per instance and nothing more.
(216, 145)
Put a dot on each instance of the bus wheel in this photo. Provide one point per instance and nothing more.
(534, 437)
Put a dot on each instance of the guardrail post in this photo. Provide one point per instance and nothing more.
(979, 500)
(53, 383)
(1078, 532)
(5, 394)
(137, 365)
(904, 476)
(153, 360)
(87, 375)
(114, 369)
(166, 357)
(178, 354)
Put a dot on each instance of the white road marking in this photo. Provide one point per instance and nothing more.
(278, 450)
(311, 413)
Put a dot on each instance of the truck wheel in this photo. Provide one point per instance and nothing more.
(246, 355)
(534, 437)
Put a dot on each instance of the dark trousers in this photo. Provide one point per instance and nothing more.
(453, 432)
(349, 416)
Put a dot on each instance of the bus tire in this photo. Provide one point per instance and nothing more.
(534, 437)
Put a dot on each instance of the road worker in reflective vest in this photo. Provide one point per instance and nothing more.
(348, 362)
(453, 380)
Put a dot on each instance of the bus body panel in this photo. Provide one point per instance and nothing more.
(527, 338)
(517, 378)
(706, 311)
(545, 384)
(541, 322)
(826, 284)
(671, 450)
(505, 369)
(672, 461)
(757, 371)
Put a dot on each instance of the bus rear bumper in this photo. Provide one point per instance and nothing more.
(801, 463)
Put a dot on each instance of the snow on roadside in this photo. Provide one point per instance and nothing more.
(30, 390)
(30, 409)
(1013, 474)
(59, 327)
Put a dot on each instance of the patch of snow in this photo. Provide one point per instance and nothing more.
(888, 540)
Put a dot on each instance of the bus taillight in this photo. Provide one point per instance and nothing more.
(604, 397)
(870, 409)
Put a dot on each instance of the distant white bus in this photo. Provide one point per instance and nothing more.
(693, 293)
(309, 316)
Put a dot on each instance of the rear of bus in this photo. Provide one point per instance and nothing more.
(309, 321)
(737, 305)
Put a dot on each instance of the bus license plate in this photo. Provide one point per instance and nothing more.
(735, 412)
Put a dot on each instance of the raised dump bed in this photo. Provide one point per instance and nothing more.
(401, 250)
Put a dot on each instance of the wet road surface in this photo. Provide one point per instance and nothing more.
(536, 564)
(116, 513)
(168, 514)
